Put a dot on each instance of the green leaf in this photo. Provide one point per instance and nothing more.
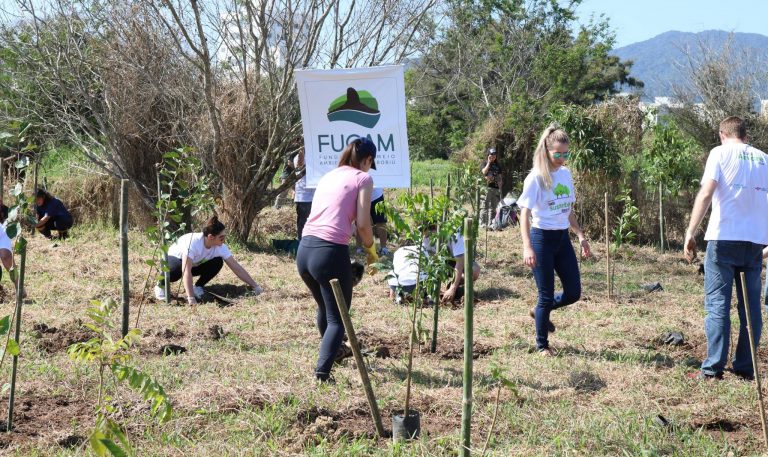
(12, 230)
(12, 348)
(20, 245)
(5, 325)
(113, 448)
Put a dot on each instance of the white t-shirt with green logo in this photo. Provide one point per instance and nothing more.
(740, 201)
(550, 208)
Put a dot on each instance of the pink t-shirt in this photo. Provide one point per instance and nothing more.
(334, 207)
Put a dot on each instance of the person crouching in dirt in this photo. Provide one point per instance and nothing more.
(6, 250)
(342, 196)
(202, 254)
(402, 280)
(456, 249)
(51, 215)
(547, 198)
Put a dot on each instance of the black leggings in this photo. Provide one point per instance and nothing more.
(206, 270)
(319, 261)
(59, 223)
(302, 214)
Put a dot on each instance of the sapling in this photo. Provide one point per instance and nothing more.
(110, 356)
(183, 194)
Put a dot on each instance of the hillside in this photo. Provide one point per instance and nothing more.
(657, 61)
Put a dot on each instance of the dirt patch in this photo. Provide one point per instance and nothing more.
(53, 340)
(382, 346)
(216, 332)
(355, 423)
(46, 419)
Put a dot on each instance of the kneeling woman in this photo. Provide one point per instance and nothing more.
(202, 254)
(342, 196)
(548, 197)
(51, 215)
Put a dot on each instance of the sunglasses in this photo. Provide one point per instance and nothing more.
(564, 155)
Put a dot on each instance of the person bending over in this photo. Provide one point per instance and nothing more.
(456, 249)
(546, 214)
(202, 255)
(51, 215)
(342, 196)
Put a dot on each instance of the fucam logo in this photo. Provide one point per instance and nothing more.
(358, 107)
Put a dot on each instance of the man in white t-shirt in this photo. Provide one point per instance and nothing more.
(735, 182)
(402, 279)
(456, 248)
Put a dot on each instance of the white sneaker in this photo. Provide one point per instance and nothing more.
(159, 293)
(198, 291)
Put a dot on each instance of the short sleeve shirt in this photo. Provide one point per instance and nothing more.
(550, 208)
(405, 267)
(455, 245)
(740, 200)
(54, 208)
(193, 246)
(334, 207)
(493, 172)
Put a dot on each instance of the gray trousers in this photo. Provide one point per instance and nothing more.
(492, 198)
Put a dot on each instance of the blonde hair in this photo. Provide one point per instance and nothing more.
(551, 135)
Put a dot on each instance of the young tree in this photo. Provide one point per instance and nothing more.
(246, 52)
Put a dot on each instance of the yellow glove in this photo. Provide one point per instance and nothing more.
(371, 257)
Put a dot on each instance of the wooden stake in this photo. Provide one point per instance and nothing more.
(745, 300)
(607, 251)
(17, 331)
(344, 311)
(124, 252)
(469, 304)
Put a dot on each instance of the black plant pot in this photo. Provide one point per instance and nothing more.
(405, 428)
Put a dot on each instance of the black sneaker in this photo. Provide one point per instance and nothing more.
(550, 326)
(744, 376)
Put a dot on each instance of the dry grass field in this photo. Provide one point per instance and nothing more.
(245, 384)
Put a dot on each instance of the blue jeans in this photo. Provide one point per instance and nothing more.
(724, 262)
(554, 254)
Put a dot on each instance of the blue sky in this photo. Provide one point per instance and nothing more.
(639, 20)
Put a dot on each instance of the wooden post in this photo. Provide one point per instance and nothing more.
(469, 304)
(124, 252)
(344, 311)
(661, 217)
(17, 331)
(37, 165)
(607, 251)
(745, 300)
(411, 342)
(166, 274)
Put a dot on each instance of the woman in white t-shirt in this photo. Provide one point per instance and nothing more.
(546, 214)
(202, 254)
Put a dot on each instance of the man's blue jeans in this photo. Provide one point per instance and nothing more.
(554, 254)
(724, 262)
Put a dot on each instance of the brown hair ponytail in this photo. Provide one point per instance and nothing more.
(213, 226)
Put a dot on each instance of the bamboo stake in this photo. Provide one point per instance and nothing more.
(745, 301)
(661, 217)
(607, 251)
(166, 274)
(436, 293)
(344, 311)
(469, 259)
(17, 330)
(409, 367)
(124, 252)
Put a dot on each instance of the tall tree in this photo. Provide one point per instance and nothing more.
(498, 59)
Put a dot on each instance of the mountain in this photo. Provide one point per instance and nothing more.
(658, 61)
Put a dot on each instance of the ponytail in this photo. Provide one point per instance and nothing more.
(213, 226)
(551, 135)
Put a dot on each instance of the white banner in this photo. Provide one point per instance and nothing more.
(339, 106)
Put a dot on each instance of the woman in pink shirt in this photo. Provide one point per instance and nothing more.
(342, 196)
